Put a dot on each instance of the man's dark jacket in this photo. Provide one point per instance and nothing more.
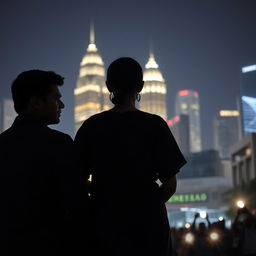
(42, 199)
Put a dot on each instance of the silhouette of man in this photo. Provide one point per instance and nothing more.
(41, 198)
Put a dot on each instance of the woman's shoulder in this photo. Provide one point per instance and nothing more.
(138, 115)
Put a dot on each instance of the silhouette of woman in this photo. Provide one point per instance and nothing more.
(126, 151)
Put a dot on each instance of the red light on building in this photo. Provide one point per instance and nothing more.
(183, 92)
(176, 119)
(196, 94)
(170, 122)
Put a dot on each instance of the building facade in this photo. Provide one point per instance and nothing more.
(153, 95)
(7, 114)
(91, 94)
(243, 160)
(248, 99)
(202, 164)
(225, 131)
(187, 103)
(208, 194)
(179, 126)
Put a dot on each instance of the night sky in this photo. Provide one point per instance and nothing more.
(198, 44)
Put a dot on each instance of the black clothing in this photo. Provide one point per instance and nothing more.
(126, 153)
(41, 193)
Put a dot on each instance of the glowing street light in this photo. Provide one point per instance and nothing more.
(214, 236)
(240, 204)
(189, 238)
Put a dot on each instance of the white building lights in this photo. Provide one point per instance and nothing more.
(153, 98)
(91, 94)
(249, 68)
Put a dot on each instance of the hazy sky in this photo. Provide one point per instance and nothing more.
(198, 44)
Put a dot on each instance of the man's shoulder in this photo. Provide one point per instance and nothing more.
(5, 134)
(57, 135)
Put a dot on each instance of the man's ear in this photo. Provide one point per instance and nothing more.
(140, 86)
(109, 86)
(35, 103)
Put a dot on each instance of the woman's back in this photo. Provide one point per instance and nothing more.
(126, 152)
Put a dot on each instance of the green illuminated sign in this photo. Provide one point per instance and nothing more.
(188, 198)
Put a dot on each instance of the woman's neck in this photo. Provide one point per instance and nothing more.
(127, 106)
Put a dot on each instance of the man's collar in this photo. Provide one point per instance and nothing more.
(28, 119)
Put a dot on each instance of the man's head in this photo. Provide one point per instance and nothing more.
(36, 92)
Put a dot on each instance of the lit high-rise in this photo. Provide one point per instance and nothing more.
(153, 95)
(225, 131)
(179, 126)
(187, 103)
(91, 94)
(248, 99)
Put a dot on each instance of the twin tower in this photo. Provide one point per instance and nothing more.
(92, 96)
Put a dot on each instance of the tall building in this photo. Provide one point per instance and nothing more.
(7, 114)
(153, 95)
(225, 129)
(243, 160)
(202, 164)
(248, 99)
(179, 126)
(91, 94)
(187, 103)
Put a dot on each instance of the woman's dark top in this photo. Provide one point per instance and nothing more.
(126, 153)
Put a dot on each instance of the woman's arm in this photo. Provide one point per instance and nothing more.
(168, 188)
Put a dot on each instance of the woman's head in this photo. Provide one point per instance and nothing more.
(124, 79)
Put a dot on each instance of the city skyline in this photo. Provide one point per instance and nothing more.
(194, 49)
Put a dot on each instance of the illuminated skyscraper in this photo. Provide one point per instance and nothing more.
(153, 95)
(179, 126)
(91, 94)
(187, 103)
(248, 99)
(225, 130)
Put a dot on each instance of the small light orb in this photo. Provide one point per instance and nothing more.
(214, 236)
(240, 204)
(187, 225)
(203, 214)
(189, 238)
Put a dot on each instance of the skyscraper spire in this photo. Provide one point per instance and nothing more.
(92, 35)
(151, 54)
(91, 94)
(153, 98)
(92, 46)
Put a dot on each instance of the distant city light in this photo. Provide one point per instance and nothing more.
(203, 214)
(229, 113)
(240, 204)
(196, 94)
(187, 225)
(176, 118)
(214, 236)
(248, 151)
(249, 68)
(170, 122)
(189, 238)
(183, 92)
